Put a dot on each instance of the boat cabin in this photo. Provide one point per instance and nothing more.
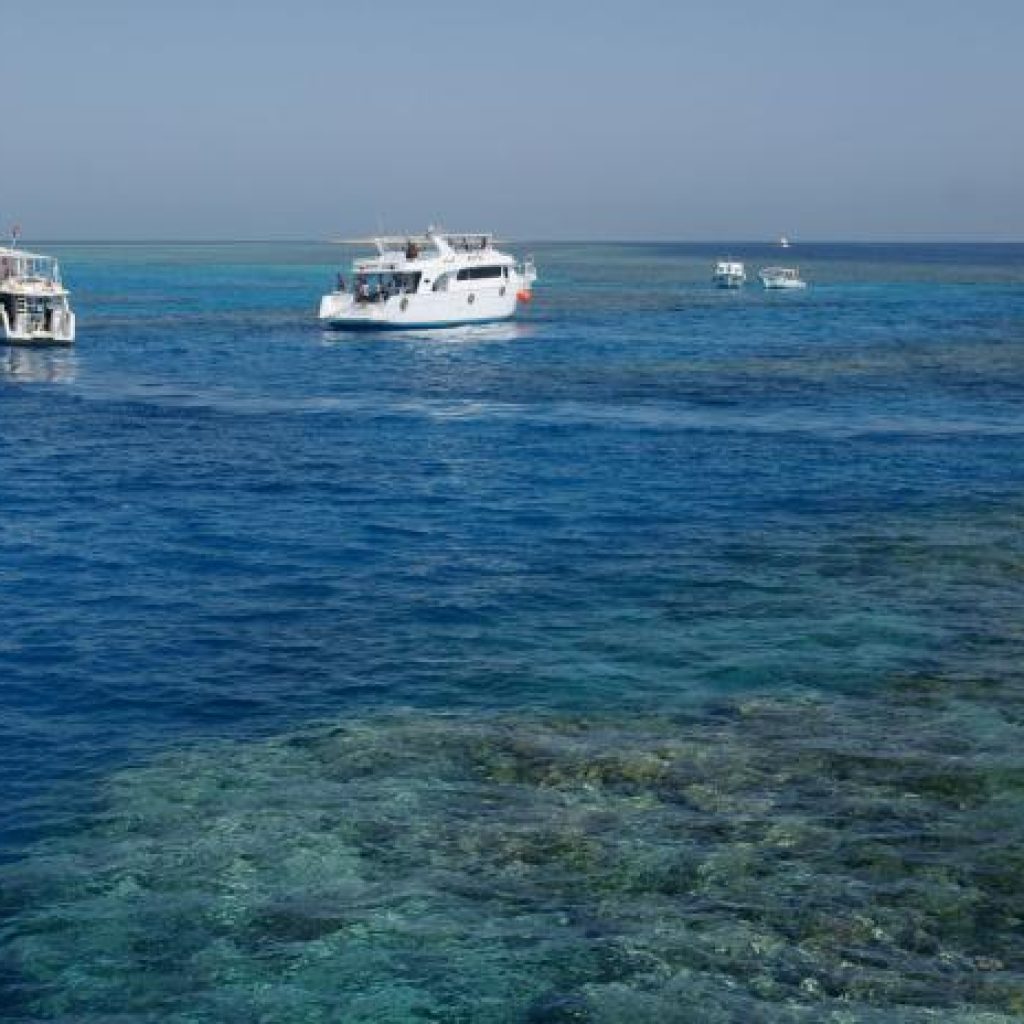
(380, 285)
(433, 262)
(28, 267)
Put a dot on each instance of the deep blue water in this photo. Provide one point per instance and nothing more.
(760, 551)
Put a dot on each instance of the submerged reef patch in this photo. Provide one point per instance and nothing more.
(765, 859)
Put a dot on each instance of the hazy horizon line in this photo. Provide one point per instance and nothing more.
(773, 243)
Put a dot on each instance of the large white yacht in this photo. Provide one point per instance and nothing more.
(34, 308)
(438, 279)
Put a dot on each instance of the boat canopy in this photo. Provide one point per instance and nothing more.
(412, 245)
(19, 263)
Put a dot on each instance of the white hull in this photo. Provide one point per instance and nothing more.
(432, 309)
(730, 282)
(56, 329)
(784, 286)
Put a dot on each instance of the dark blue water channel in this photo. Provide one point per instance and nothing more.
(654, 657)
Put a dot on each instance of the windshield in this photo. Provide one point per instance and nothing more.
(382, 285)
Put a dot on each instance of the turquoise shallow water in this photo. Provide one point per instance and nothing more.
(654, 658)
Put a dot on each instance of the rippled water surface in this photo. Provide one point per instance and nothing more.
(655, 658)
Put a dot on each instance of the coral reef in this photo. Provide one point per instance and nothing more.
(774, 858)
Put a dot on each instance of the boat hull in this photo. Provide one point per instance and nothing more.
(344, 311)
(784, 286)
(37, 341)
(34, 336)
(354, 324)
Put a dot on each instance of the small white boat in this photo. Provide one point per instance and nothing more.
(728, 274)
(781, 277)
(34, 308)
(783, 242)
(435, 280)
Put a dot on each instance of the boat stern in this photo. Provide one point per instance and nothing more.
(335, 306)
(29, 325)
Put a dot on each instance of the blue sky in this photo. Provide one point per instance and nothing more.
(565, 119)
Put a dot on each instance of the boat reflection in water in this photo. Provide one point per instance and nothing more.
(37, 365)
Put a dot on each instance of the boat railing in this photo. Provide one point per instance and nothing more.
(29, 267)
(469, 243)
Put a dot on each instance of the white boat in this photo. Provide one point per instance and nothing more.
(438, 279)
(783, 242)
(34, 308)
(728, 274)
(781, 277)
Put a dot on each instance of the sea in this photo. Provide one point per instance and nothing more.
(657, 657)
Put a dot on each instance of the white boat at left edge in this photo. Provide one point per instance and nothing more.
(34, 305)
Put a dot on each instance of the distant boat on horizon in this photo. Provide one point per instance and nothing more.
(784, 278)
(728, 274)
(783, 242)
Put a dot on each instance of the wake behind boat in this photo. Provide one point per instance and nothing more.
(34, 308)
(435, 280)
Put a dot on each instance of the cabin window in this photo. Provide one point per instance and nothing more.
(379, 286)
(478, 273)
